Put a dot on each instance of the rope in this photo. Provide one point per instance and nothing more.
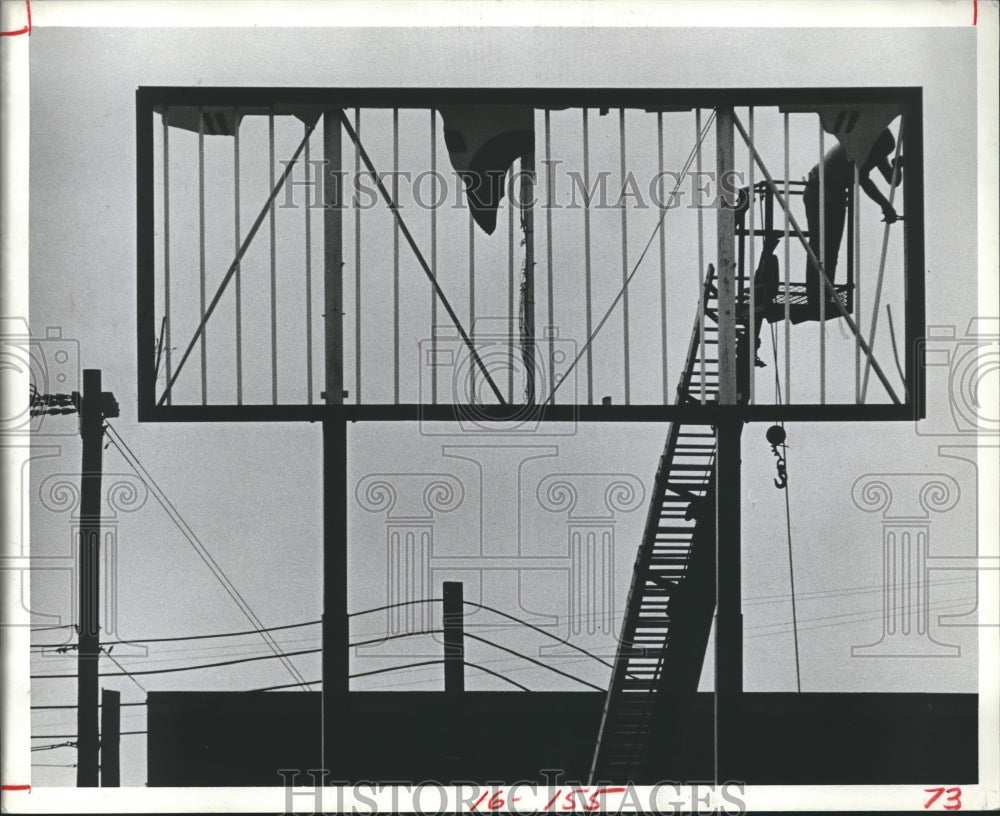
(788, 517)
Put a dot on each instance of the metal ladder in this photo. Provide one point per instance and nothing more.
(671, 600)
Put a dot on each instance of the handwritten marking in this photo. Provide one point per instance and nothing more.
(23, 30)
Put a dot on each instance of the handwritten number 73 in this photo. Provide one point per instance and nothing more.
(952, 802)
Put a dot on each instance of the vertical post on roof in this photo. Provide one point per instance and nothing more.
(527, 203)
(725, 233)
(335, 620)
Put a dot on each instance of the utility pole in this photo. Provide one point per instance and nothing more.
(95, 406)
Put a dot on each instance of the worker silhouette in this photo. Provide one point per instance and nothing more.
(837, 182)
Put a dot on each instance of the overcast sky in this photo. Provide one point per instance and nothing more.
(251, 492)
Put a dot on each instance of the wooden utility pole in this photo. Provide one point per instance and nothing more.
(111, 724)
(95, 406)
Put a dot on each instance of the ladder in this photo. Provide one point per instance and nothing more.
(671, 600)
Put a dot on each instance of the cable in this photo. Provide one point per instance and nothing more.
(542, 631)
(788, 514)
(142, 640)
(185, 668)
(532, 660)
(133, 461)
(73, 736)
(73, 705)
(126, 671)
(282, 686)
(496, 674)
(791, 573)
(53, 746)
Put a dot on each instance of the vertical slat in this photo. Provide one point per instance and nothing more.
(701, 259)
(395, 258)
(333, 267)
(663, 259)
(725, 229)
(472, 299)
(434, 180)
(308, 262)
(625, 335)
(237, 240)
(788, 305)
(527, 195)
(548, 255)
(167, 348)
(752, 264)
(357, 264)
(203, 345)
(510, 296)
(856, 295)
(586, 257)
(822, 267)
(274, 270)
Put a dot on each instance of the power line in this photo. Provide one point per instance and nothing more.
(73, 705)
(141, 640)
(128, 674)
(199, 547)
(73, 736)
(185, 668)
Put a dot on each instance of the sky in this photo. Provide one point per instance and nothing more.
(251, 492)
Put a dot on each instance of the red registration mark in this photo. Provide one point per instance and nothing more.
(952, 800)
